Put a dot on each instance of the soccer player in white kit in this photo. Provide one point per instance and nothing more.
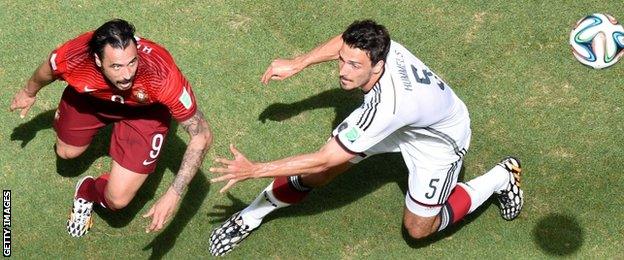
(407, 108)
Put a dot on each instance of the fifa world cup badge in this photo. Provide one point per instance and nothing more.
(353, 134)
(140, 95)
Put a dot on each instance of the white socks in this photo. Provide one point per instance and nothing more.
(481, 188)
(264, 204)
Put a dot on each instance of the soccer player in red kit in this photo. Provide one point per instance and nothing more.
(117, 78)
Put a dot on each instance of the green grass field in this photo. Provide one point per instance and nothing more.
(508, 60)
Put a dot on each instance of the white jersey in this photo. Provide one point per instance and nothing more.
(415, 106)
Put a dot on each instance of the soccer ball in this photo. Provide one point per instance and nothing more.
(597, 40)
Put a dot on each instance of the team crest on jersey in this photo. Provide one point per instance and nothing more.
(140, 95)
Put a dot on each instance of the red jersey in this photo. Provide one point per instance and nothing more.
(157, 80)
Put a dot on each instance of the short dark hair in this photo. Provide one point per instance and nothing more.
(118, 33)
(368, 36)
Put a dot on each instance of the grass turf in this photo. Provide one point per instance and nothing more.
(509, 61)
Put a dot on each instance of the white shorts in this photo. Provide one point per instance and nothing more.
(433, 168)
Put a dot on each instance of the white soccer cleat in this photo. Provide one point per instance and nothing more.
(224, 238)
(511, 197)
(79, 221)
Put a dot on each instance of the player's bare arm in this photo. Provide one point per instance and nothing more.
(199, 143)
(240, 169)
(25, 97)
(281, 68)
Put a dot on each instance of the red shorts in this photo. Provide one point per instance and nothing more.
(138, 135)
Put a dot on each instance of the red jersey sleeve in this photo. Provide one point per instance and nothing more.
(178, 96)
(70, 55)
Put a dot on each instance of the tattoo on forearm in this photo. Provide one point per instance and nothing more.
(191, 161)
(193, 157)
(194, 125)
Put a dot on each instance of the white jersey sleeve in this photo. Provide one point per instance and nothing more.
(371, 122)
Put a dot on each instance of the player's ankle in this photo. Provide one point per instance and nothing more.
(250, 220)
(84, 191)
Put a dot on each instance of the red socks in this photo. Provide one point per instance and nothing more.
(289, 189)
(459, 201)
(455, 208)
(93, 190)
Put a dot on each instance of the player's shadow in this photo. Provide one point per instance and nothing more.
(170, 158)
(362, 179)
(26, 132)
(558, 235)
(342, 101)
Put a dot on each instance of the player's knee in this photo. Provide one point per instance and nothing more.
(418, 227)
(416, 232)
(117, 203)
(68, 153)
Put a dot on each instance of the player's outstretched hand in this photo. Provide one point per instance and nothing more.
(280, 69)
(162, 210)
(24, 101)
(233, 171)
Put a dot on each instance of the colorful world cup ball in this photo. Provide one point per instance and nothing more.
(597, 40)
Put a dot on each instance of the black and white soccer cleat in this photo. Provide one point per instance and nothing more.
(226, 237)
(511, 197)
(80, 218)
